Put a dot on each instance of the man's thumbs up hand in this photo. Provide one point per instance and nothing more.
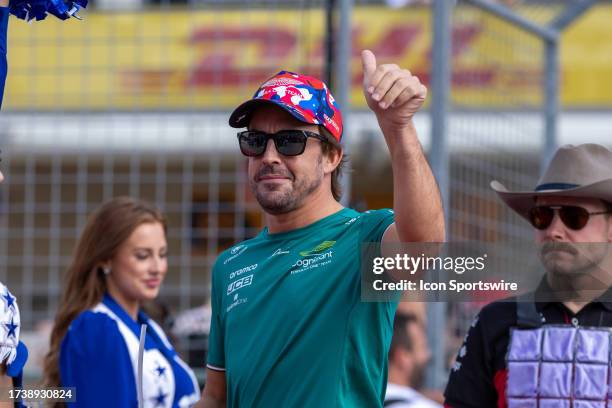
(394, 94)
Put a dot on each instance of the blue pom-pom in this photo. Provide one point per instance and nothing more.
(38, 9)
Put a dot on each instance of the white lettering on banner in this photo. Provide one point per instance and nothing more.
(451, 286)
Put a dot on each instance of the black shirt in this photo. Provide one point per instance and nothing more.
(479, 376)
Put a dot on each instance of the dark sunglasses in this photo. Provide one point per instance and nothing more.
(287, 142)
(572, 216)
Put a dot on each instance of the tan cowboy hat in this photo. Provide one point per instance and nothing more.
(575, 171)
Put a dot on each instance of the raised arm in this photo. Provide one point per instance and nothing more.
(395, 95)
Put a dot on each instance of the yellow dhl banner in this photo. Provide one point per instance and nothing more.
(214, 59)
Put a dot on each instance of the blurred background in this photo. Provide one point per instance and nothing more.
(135, 101)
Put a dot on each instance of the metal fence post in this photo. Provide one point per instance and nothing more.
(439, 158)
(342, 70)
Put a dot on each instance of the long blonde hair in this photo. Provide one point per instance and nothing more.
(106, 230)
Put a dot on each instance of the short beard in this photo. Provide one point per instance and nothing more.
(283, 202)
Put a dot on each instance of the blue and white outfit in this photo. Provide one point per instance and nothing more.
(12, 351)
(99, 356)
(4, 15)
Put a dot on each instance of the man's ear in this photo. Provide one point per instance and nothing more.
(331, 159)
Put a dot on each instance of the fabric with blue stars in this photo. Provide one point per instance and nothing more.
(9, 299)
(99, 357)
(10, 325)
(13, 353)
(11, 328)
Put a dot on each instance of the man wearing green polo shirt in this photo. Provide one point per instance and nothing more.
(288, 327)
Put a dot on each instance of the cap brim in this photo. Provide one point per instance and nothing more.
(241, 116)
(523, 201)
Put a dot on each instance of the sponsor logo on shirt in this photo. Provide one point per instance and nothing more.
(311, 262)
(279, 251)
(319, 256)
(239, 284)
(323, 246)
(242, 271)
(352, 220)
(235, 253)
(237, 249)
(237, 302)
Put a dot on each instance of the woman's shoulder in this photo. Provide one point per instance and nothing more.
(91, 321)
(91, 331)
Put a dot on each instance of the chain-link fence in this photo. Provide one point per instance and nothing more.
(135, 99)
(136, 103)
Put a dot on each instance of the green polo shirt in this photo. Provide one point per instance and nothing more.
(288, 327)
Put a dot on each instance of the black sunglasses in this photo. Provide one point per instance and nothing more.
(287, 142)
(573, 217)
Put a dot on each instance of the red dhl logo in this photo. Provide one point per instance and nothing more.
(221, 62)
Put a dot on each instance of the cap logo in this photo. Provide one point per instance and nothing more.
(308, 99)
(281, 81)
(331, 122)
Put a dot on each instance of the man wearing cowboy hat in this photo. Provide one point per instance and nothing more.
(550, 347)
